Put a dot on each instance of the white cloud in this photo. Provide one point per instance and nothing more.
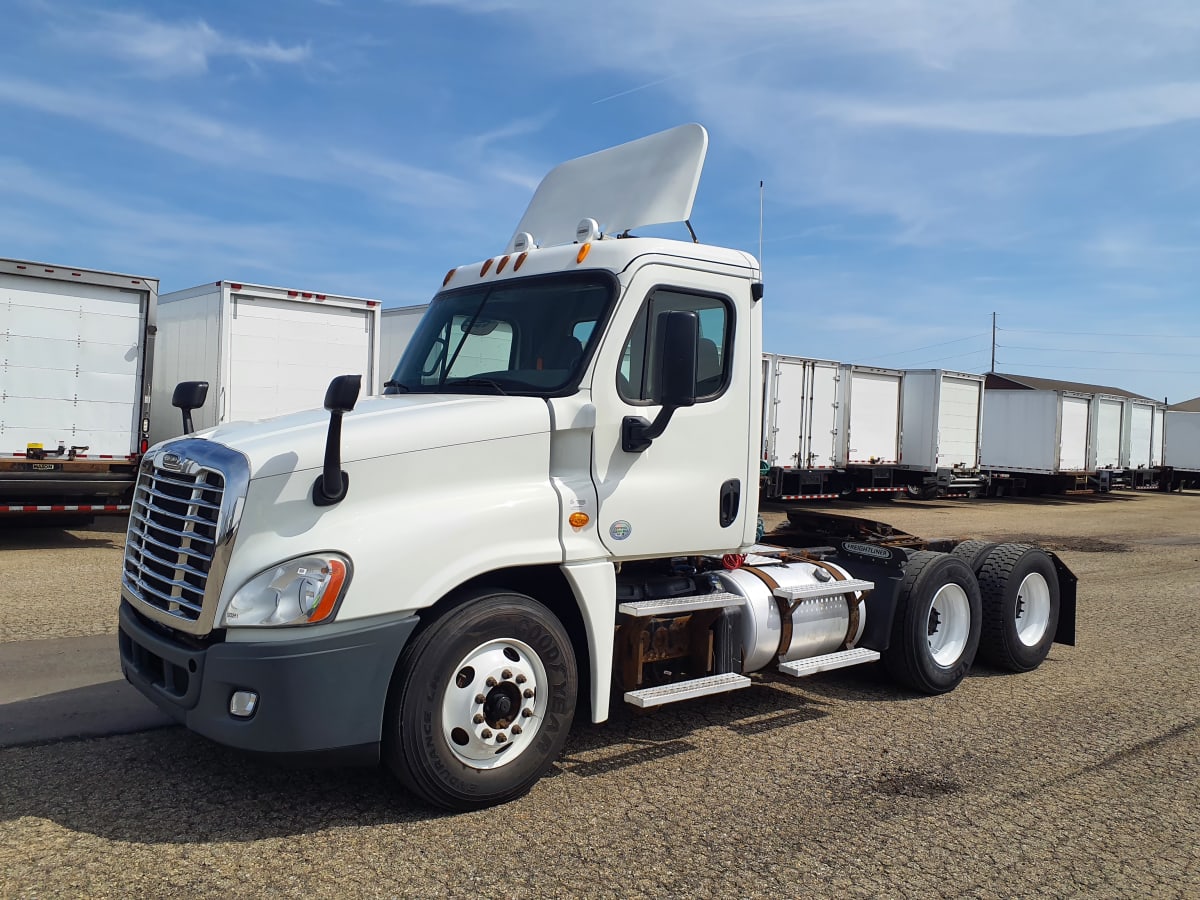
(164, 49)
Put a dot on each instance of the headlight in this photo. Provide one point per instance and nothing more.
(300, 591)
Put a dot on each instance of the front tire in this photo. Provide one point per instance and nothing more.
(935, 632)
(1020, 607)
(481, 702)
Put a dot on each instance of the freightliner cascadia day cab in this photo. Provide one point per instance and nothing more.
(552, 508)
(76, 355)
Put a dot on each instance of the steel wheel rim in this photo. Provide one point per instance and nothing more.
(494, 703)
(949, 624)
(1032, 614)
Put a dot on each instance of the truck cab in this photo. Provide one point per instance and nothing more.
(554, 505)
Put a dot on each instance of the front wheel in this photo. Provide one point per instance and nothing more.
(482, 702)
(935, 633)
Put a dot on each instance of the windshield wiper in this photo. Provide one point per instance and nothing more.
(399, 386)
(476, 382)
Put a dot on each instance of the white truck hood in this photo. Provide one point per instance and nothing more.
(380, 426)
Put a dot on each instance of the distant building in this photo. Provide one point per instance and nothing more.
(997, 381)
(1192, 405)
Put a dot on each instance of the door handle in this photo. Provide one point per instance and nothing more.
(731, 496)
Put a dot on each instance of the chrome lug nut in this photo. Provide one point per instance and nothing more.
(478, 720)
(527, 712)
(520, 679)
(491, 682)
(516, 729)
(528, 693)
(506, 674)
(486, 733)
(479, 698)
(501, 738)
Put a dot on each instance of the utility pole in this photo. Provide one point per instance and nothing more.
(993, 368)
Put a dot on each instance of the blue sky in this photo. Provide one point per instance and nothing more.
(926, 163)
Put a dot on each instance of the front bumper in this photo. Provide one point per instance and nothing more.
(316, 694)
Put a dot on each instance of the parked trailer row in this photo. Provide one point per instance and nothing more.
(832, 429)
(1182, 450)
(76, 355)
(1061, 439)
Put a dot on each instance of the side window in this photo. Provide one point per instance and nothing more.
(636, 375)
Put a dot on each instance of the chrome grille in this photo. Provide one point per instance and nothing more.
(173, 536)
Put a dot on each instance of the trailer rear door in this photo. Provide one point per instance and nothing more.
(874, 433)
(1108, 433)
(1073, 434)
(284, 353)
(69, 365)
(1141, 433)
(958, 422)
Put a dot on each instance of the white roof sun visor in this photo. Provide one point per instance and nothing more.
(650, 181)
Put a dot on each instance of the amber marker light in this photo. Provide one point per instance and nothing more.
(578, 519)
(583, 252)
(500, 266)
(520, 261)
(449, 275)
(333, 590)
(484, 269)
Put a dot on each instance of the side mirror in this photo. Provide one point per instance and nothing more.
(678, 337)
(331, 485)
(676, 341)
(189, 395)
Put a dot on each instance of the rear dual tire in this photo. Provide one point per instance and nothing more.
(936, 629)
(1021, 604)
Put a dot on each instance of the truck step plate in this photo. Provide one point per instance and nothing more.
(672, 606)
(824, 663)
(686, 690)
(824, 589)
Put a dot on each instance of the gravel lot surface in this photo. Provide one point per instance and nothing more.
(1080, 778)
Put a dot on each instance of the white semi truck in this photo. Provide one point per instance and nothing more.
(76, 355)
(553, 508)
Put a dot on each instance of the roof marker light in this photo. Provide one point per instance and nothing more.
(293, 293)
(520, 260)
(307, 295)
(236, 287)
(320, 296)
(449, 275)
(484, 268)
(503, 262)
(76, 274)
(583, 252)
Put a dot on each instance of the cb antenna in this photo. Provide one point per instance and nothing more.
(760, 223)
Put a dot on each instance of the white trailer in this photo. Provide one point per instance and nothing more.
(830, 429)
(870, 407)
(264, 351)
(1111, 424)
(76, 349)
(396, 327)
(1037, 432)
(942, 417)
(1181, 451)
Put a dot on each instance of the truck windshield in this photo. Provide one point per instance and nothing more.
(526, 336)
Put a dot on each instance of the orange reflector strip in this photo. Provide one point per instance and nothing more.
(337, 578)
(583, 252)
(578, 519)
(484, 270)
(449, 275)
(503, 263)
(520, 261)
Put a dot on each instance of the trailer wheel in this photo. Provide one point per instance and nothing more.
(481, 702)
(1020, 607)
(974, 553)
(935, 633)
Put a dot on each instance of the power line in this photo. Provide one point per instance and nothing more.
(944, 358)
(927, 346)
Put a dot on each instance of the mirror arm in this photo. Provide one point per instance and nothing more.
(331, 485)
(637, 434)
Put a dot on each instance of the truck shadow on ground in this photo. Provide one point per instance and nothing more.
(169, 786)
(35, 534)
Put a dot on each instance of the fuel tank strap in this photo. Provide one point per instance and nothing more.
(785, 608)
